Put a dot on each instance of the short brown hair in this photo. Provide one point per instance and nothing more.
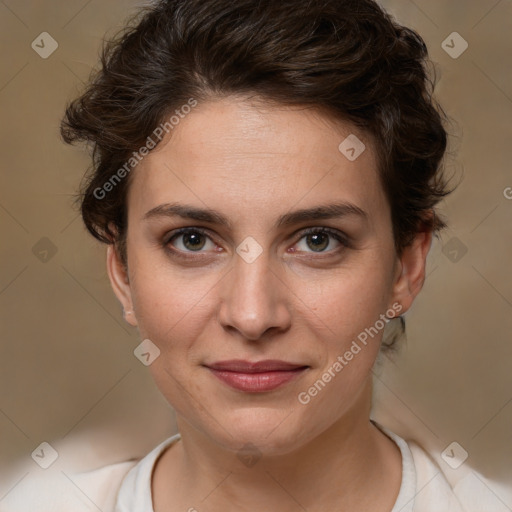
(348, 58)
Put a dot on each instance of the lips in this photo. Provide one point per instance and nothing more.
(256, 377)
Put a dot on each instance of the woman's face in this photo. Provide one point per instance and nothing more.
(247, 283)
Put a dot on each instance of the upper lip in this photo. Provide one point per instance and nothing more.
(267, 365)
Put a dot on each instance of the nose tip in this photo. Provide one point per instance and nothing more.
(253, 302)
(251, 329)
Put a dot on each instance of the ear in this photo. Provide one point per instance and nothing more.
(118, 275)
(410, 270)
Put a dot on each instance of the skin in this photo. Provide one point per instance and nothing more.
(252, 163)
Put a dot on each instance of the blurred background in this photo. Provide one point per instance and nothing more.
(68, 375)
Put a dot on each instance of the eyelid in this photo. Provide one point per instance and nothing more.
(339, 236)
(180, 231)
(185, 255)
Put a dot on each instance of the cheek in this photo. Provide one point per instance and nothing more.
(346, 301)
(348, 344)
(175, 307)
(172, 307)
(172, 311)
(344, 315)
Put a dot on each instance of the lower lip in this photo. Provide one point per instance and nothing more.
(257, 382)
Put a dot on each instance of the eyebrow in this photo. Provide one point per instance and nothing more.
(323, 212)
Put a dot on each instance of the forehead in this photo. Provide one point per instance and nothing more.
(234, 151)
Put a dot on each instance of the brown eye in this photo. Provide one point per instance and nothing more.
(317, 241)
(190, 240)
(193, 241)
(321, 240)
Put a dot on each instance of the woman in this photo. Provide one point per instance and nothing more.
(265, 176)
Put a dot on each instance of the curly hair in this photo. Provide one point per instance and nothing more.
(347, 58)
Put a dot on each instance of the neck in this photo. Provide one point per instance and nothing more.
(350, 466)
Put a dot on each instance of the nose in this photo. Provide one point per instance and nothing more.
(254, 300)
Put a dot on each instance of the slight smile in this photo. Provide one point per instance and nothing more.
(256, 377)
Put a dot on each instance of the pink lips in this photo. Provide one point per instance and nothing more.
(257, 376)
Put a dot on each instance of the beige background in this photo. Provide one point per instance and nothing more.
(68, 375)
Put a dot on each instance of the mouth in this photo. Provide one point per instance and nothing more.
(256, 377)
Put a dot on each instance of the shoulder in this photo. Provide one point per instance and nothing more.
(60, 490)
(125, 486)
(424, 487)
(433, 490)
(462, 489)
(102, 485)
(135, 490)
(114, 487)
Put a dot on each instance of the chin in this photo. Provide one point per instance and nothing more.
(272, 432)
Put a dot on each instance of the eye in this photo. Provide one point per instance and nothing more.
(186, 241)
(321, 240)
(190, 240)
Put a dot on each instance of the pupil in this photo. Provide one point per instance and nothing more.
(192, 240)
(317, 241)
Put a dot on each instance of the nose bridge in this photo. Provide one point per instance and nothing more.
(252, 302)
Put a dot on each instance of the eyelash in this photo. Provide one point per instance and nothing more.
(337, 235)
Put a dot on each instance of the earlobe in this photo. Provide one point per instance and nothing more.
(119, 281)
(410, 274)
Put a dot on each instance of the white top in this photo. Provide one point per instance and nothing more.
(126, 486)
(423, 488)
